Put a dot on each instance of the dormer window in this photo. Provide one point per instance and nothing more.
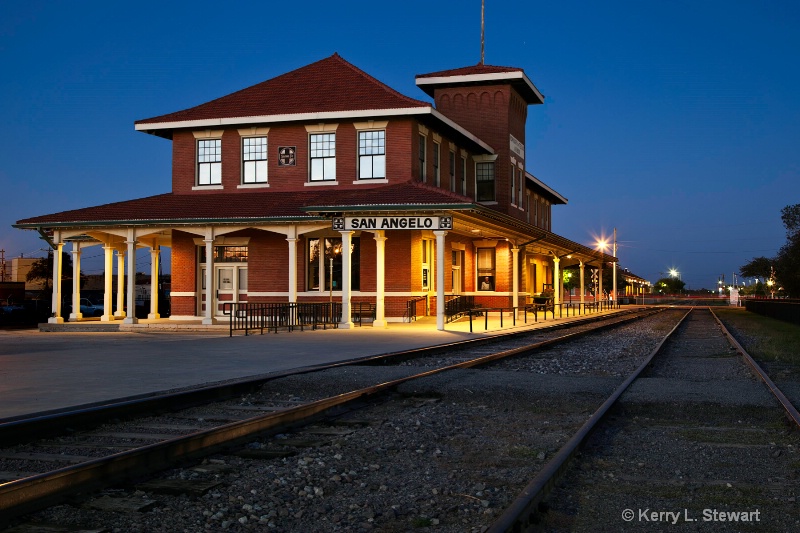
(209, 162)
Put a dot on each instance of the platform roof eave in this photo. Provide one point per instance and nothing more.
(161, 222)
(384, 208)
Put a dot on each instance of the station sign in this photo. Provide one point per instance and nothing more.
(392, 223)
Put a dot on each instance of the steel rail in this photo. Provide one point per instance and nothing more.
(39, 491)
(791, 410)
(520, 514)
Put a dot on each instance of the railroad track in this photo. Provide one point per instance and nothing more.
(67, 462)
(696, 440)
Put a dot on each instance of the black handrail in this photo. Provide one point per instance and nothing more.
(271, 316)
(457, 307)
(411, 307)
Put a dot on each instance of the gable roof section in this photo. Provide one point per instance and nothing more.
(251, 206)
(481, 75)
(329, 85)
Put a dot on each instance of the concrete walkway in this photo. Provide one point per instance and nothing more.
(43, 371)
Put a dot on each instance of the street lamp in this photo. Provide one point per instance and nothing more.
(601, 244)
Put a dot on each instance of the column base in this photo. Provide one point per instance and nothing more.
(119, 314)
(75, 316)
(379, 324)
(130, 320)
(209, 321)
(55, 320)
(153, 316)
(346, 325)
(106, 318)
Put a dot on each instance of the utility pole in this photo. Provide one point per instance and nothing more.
(2, 265)
(614, 288)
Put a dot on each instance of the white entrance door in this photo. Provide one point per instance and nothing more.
(231, 286)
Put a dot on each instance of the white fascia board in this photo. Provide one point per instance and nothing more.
(546, 187)
(294, 117)
(482, 78)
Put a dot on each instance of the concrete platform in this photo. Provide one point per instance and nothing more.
(44, 371)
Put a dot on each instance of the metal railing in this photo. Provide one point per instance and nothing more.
(271, 316)
(457, 307)
(411, 308)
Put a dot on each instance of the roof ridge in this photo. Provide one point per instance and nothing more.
(381, 84)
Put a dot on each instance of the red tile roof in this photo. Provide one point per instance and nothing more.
(329, 85)
(186, 208)
(470, 71)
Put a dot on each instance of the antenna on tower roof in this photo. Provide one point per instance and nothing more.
(482, 30)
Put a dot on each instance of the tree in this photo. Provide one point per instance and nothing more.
(42, 271)
(787, 262)
(758, 267)
(669, 286)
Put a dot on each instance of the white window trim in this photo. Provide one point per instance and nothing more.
(207, 135)
(245, 133)
(320, 129)
(358, 155)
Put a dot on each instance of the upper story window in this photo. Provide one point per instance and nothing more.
(371, 154)
(464, 176)
(513, 185)
(254, 160)
(209, 162)
(323, 156)
(452, 171)
(484, 182)
(437, 178)
(422, 158)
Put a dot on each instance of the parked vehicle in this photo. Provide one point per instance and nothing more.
(90, 309)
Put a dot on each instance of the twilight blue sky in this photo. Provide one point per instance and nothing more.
(676, 122)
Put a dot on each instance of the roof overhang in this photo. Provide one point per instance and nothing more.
(164, 129)
(555, 197)
(517, 79)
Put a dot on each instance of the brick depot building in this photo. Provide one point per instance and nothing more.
(272, 183)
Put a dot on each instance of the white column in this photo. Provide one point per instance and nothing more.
(583, 290)
(292, 269)
(76, 282)
(347, 321)
(380, 281)
(120, 312)
(56, 302)
(440, 279)
(515, 275)
(556, 281)
(210, 300)
(154, 256)
(130, 318)
(108, 283)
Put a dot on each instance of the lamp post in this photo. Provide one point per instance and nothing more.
(614, 265)
(334, 251)
(602, 246)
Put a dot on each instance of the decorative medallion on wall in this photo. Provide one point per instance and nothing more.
(286, 156)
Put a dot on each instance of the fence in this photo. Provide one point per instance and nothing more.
(271, 316)
(786, 310)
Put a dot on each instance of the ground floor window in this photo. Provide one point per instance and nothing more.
(486, 269)
(325, 264)
(226, 254)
